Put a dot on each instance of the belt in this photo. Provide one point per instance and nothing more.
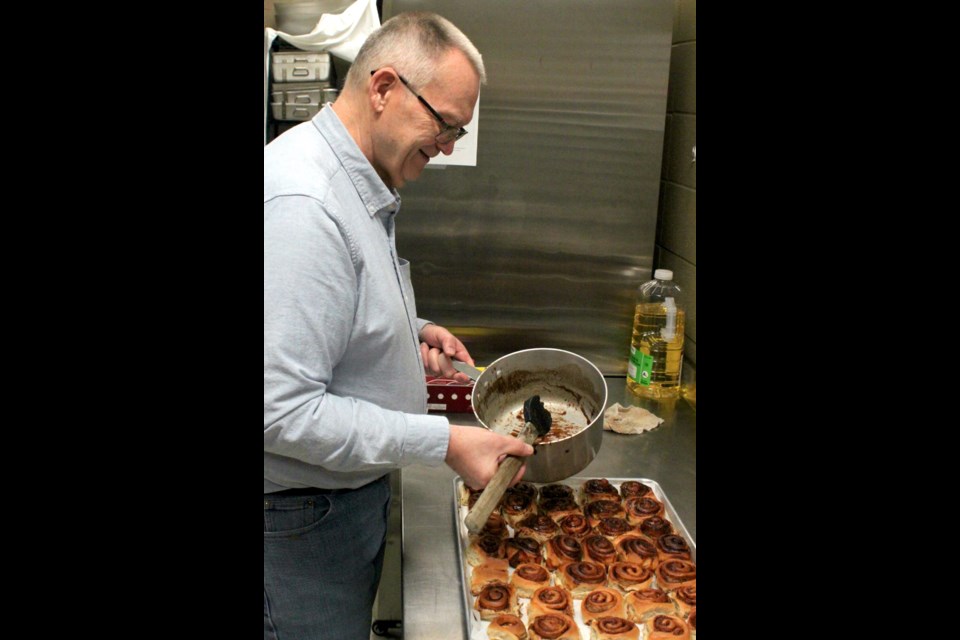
(316, 491)
(308, 491)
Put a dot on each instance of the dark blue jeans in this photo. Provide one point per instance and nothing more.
(322, 558)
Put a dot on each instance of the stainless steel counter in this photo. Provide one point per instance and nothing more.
(432, 600)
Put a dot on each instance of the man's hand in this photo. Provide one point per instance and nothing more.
(437, 340)
(476, 454)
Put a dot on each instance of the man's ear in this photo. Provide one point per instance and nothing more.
(382, 83)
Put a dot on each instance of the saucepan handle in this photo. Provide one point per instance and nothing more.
(497, 486)
(471, 372)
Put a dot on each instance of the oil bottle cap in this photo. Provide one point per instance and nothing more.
(663, 274)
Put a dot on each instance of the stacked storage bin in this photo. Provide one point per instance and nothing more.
(300, 84)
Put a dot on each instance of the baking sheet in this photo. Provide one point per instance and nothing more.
(476, 629)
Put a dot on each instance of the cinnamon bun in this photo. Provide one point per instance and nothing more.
(526, 488)
(639, 509)
(599, 549)
(491, 571)
(672, 546)
(629, 576)
(576, 525)
(469, 496)
(635, 548)
(646, 603)
(559, 508)
(654, 527)
(634, 489)
(613, 628)
(507, 627)
(529, 577)
(553, 599)
(553, 626)
(556, 490)
(602, 601)
(582, 577)
(685, 598)
(613, 527)
(523, 550)
(538, 527)
(664, 627)
(496, 526)
(692, 621)
(515, 506)
(674, 573)
(497, 599)
(599, 509)
(484, 547)
(598, 489)
(562, 549)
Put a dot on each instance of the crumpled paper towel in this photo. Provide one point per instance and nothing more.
(629, 419)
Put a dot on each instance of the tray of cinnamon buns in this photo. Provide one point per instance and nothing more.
(581, 559)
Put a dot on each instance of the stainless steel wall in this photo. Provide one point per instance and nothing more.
(543, 243)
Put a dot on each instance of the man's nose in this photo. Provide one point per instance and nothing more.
(447, 148)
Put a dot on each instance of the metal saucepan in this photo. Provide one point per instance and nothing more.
(571, 388)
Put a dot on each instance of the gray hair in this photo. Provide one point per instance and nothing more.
(412, 43)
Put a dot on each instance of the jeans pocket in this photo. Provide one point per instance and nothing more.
(294, 516)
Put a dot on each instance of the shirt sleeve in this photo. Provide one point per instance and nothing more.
(421, 323)
(309, 296)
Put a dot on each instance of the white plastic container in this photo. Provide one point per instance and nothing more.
(298, 18)
(298, 101)
(300, 66)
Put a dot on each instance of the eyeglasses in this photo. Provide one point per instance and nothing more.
(448, 133)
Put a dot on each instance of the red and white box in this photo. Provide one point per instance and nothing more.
(449, 396)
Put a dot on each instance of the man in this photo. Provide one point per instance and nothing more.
(344, 353)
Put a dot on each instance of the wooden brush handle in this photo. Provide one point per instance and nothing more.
(497, 486)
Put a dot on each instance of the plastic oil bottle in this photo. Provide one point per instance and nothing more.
(656, 346)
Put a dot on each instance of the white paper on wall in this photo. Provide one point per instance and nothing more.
(465, 150)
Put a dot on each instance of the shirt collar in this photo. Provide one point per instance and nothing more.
(376, 197)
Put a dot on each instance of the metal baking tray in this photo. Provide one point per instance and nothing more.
(475, 628)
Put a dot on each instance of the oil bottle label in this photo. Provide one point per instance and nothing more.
(640, 367)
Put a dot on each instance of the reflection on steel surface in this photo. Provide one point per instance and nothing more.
(543, 243)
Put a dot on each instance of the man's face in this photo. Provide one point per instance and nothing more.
(410, 130)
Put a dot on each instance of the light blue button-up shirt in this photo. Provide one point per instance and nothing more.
(344, 395)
